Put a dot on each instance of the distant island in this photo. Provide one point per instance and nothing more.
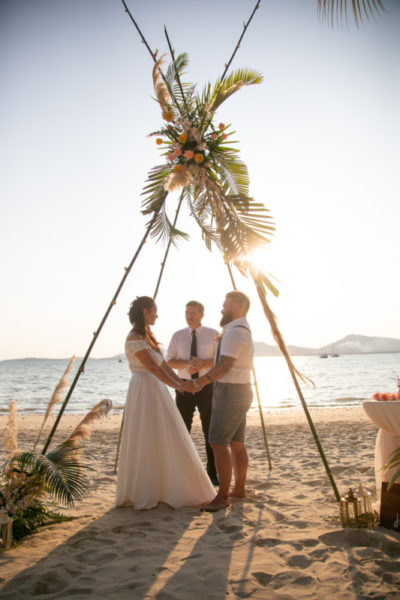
(350, 344)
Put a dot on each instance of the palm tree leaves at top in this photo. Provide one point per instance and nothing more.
(201, 159)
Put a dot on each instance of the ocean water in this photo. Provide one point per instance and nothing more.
(342, 381)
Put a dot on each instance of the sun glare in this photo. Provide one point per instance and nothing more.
(260, 258)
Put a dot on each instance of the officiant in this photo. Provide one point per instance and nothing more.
(191, 351)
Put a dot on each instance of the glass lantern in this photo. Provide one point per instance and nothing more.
(5, 530)
(350, 507)
(366, 498)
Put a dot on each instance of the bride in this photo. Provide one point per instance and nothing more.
(158, 461)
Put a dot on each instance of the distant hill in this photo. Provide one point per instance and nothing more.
(350, 344)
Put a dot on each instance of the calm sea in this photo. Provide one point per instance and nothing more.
(340, 381)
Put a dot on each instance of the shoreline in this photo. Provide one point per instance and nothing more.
(284, 541)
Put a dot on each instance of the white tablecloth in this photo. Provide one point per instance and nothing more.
(386, 415)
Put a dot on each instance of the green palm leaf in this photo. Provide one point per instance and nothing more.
(59, 472)
(225, 88)
(336, 10)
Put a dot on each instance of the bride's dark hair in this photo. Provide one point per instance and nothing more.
(137, 319)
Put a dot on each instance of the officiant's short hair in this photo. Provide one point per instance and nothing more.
(196, 304)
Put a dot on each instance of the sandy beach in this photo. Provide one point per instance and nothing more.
(283, 542)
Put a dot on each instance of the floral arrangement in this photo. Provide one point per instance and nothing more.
(386, 396)
(32, 483)
(200, 160)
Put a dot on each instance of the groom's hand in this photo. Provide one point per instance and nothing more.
(187, 386)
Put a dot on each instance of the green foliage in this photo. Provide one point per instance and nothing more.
(36, 515)
(29, 476)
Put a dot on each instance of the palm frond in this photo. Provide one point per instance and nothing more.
(233, 173)
(200, 210)
(59, 472)
(225, 88)
(155, 203)
(335, 11)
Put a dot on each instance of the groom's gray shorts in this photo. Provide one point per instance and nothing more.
(231, 401)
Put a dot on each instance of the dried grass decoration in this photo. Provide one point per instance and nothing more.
(56, 397)
(29, 479)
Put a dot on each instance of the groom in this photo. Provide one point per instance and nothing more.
(232, 398)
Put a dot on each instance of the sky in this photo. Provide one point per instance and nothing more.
(320, 137)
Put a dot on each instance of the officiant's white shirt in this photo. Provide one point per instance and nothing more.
(180, 344)
(237, 342)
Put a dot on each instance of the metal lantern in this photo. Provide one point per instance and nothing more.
(365, 497)
(350, 508)
(5, 530)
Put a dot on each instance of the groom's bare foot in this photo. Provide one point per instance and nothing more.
(218, 503)
(238, 493)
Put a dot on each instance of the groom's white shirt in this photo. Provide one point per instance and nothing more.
(179, 347)
(237, 342)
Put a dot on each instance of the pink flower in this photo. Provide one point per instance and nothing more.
(221, 126)
(188, 154)
(177, 152)
(375, 396)
(214, 136)
(171, 156)
(224, 136)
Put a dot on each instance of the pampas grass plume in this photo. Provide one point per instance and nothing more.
(10, 433)
(56, 396)
(82, 431)
(160, 88)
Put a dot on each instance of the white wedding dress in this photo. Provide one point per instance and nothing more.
(158, 460)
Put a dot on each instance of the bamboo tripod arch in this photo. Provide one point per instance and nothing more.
(163, 263)
(255, 276)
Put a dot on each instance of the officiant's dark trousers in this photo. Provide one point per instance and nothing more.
(202, 400)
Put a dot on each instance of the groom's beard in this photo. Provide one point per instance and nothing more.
(227, 318)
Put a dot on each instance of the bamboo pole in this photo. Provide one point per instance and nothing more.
(256, 388)
(282, 347)
(97, 333)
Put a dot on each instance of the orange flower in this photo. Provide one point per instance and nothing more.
(182, 138)
(178, 168)
(199, 158)
(159, 141)
(168, 116)
(221, 126)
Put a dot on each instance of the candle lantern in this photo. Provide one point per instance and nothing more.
(365, 497)
(5, 530)
(350, 508)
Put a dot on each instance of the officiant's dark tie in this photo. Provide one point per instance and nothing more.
(193, 351)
